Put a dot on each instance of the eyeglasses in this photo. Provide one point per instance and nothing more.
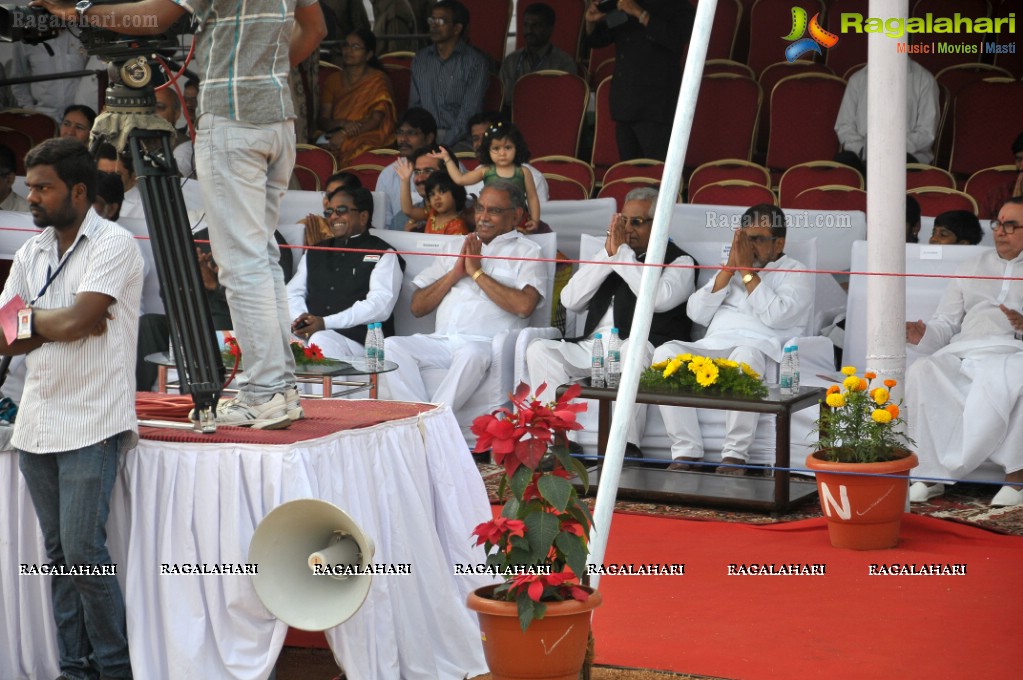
(636, 222)
(407, 132)
(340, 211)
(424, 171)
(438, 21)
(496, 212)
(1007, 227)
(760, 240)
(355, 47)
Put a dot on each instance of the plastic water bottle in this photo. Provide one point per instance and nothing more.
(795, 367)
(371, 347)
(614, 359)
(597, 362)
(785, 371)
(378, 336)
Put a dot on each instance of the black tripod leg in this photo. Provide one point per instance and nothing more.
(200, 366)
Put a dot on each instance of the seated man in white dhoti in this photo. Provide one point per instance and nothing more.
(605, 289)
(335, 293)
(476, 295)
(964, 400)
(753, 305)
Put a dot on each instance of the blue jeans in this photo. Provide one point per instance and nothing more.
(243, 171)
(71, 495)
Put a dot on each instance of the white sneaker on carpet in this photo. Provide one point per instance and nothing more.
(270, 415)
(1006, 496)
(295, 410)
(921, 493)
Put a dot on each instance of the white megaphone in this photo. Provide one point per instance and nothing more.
(310, 554)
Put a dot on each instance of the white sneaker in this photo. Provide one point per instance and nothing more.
(1006, 496)
(270, 415)
(295, 411)
(921, 493)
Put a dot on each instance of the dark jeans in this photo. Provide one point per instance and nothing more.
(71, 494)
(642, 139)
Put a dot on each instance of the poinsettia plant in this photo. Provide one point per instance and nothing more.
(304, 354)
(540, 542)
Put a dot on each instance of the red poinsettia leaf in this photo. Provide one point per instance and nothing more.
(571, 393)
(535, 591)
(579, 594)
(530, 451)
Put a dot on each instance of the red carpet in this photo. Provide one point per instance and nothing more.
(845, 624)
(323, 417)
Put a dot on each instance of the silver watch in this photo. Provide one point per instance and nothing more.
(82, 7)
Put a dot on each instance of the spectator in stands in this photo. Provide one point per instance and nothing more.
(59, 54)
(449, 78)
(956, 227)
(357, 109)
(416, 129)
(964, 400)
(77, 123)
(605, 290)
(538, 54)
(420, 165)
(476, 296)
(109, 195)
(649, 38)
(912, 220)
(9, 199)
(755, 303)
(191, 92)
(921, 118)
(444, 201)
(478, 126)
(334, 293)
(999, 196)
(317, 227)
(168, 107)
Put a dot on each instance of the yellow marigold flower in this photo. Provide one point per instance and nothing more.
(880, 396)
(870, 375)
(707, 375)
(660, 365)
(672, 366)
(851, 383)
(889, 383)
(748, 370)
(849, 370)
(685, 358)
(893, 409)
(835, 400)
(833, 389)
(881, 415)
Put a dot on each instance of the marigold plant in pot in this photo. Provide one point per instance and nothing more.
(862, 463)
(536, 622)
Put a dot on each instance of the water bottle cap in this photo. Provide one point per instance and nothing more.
(614, 331)
(598, 336)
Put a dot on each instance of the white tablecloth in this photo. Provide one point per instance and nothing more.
(409, 483)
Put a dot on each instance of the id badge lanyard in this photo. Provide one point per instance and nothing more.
(25, 315)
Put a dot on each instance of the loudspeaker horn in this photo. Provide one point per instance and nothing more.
(309, 553)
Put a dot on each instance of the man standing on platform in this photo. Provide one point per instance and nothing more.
(605, 289)
(476, 296)
(244, 156)
(80, 286)
(754, 304)
(335, 293)
(964, 401)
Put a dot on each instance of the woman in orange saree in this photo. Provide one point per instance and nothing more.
(357, 108)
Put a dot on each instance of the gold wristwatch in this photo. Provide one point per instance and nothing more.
(747, 277)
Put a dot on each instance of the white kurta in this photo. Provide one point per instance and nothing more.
(556, 362)
(745, 327)
(963, 403)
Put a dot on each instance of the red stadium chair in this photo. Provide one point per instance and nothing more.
(769, 21)
(489, 21)
(933, 60)
(605, 143)
(799, 178)
(565, 188)
(920, 175)
(936, 200)
(831, 198)
(727, 66)
(567, 166)
(800, 133)
(733, 192)
(728, 169)
(725, 120)
(598, 57)
(727, 16)
(34, 125)
(316, 159)
(306, 177)
(19, 143)
(851, 50)
(768, 79)
(401, 85)
(402, 58)
(366, 173)
(989, 187)
(982, 133)
(619, 188)
(548, 107)
(568, 28)
(636, 167)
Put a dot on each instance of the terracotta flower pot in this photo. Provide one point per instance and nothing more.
(552, 648)
(863, 510)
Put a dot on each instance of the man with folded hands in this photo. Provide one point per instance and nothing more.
(755, 303)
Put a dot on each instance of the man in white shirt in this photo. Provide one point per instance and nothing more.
(963, 402)
(921, 117)
(416, 129)
(60, 54)
(754, 304)
(605, 289)
(476, 295)
(335, 294)
(9, 199)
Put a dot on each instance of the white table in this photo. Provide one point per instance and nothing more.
(410, 483)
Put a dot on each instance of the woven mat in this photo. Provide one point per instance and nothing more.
(967, 503)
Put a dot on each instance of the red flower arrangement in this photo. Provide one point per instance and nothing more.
(541, 539)
(304, 354)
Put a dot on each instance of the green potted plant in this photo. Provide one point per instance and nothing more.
(538, 544)
(862, 463)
